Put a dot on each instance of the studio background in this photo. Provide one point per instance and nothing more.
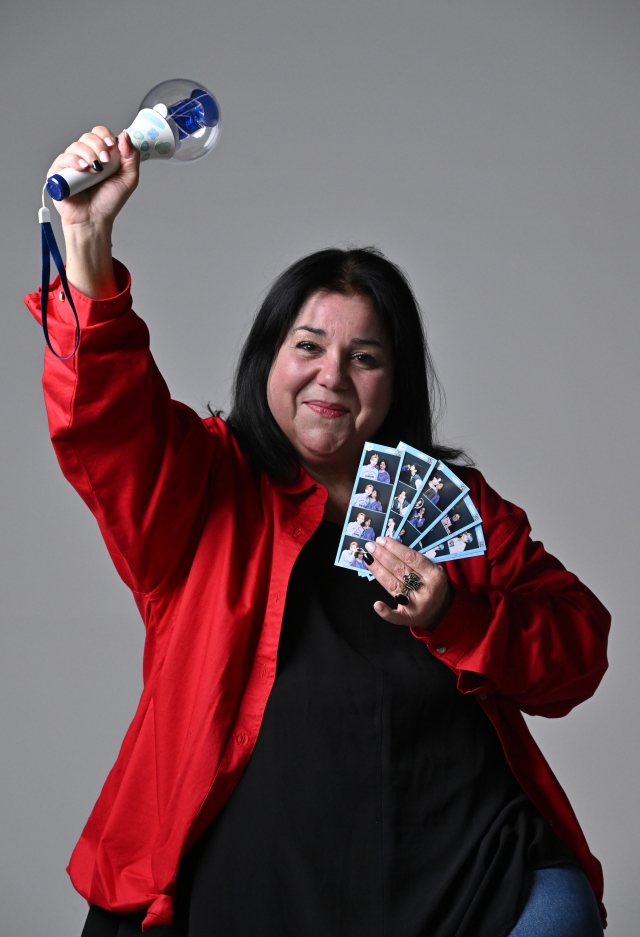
(491, 148)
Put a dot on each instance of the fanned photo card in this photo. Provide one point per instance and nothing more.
(412, 497)
(369, 504)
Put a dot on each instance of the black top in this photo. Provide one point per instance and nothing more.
(377, 800)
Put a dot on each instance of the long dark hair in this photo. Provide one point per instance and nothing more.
(417, 395)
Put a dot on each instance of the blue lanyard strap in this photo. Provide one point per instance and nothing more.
(49, 247)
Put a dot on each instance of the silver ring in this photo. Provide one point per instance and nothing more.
(411, 582)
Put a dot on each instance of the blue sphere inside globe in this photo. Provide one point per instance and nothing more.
(193, 113)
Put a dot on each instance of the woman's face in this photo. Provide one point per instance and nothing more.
(331, 383)
(383, 466)
(360, 519)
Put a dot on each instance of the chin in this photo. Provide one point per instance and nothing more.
(322, 446)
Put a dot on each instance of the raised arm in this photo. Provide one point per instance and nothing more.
(142, 462)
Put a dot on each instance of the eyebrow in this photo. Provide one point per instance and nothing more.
(322, 334)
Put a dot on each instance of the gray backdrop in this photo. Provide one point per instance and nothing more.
(491, 148)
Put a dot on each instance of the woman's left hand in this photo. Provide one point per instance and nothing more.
(428, 604)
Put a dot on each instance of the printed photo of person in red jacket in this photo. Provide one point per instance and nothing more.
(313, 754)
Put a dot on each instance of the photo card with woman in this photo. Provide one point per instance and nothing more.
(467, 543)
(369, 503)
(440, 492)
(361, 528)
(460, 517)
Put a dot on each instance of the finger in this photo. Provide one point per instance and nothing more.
(389, 560)
(398, 616)
(65, 161)
(86, 155)
(106, 135)
(385, 576)
(411, 558)
(129, 154)
(98, 145)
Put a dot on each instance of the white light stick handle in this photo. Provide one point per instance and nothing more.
(79, 181)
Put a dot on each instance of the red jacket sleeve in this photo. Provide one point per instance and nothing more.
(520, 624)
(139, 460)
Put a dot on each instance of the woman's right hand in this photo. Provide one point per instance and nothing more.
(98, 206)
(87, 218)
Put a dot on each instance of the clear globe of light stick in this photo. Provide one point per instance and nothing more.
(178, 119)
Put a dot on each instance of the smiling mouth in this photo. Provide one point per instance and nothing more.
(330, 411)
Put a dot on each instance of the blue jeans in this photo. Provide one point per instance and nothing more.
(558, 902)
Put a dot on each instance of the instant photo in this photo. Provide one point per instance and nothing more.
(440, 492)
(373, 496)
(467, 543)
(415, 469)
(461, 516)
(369, 503)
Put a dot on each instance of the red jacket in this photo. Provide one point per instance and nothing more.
(207, 550)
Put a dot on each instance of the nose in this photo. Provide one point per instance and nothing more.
(333, 371)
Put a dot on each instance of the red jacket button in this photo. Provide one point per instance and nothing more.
(297, 532)
(241, 738)
(441, 648)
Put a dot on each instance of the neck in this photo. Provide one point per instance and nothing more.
(338, 481)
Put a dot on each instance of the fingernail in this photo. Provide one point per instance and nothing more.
(401, 599)
(97, 165)
(82, 163)
(378, 606)
(381, 540)
(371, 547)
(104, 156)
(109, 141)
(367, 558)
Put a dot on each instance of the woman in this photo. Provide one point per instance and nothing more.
(347, 557)
(368, 533)
(433, 488)
(459, 544)
(370, 470)
(375, 505)
(363, 500)
(355, 528)
(358, 560)
(310, 756)
(391, 526)
(383, 474)
(418, 519)
(400, 505)
(414, 475)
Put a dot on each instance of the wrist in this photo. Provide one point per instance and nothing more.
(89, 260)
(442, 608)
(85, 233)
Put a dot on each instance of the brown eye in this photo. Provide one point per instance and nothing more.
(365, 359)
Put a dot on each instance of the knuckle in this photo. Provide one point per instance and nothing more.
(399, 570)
